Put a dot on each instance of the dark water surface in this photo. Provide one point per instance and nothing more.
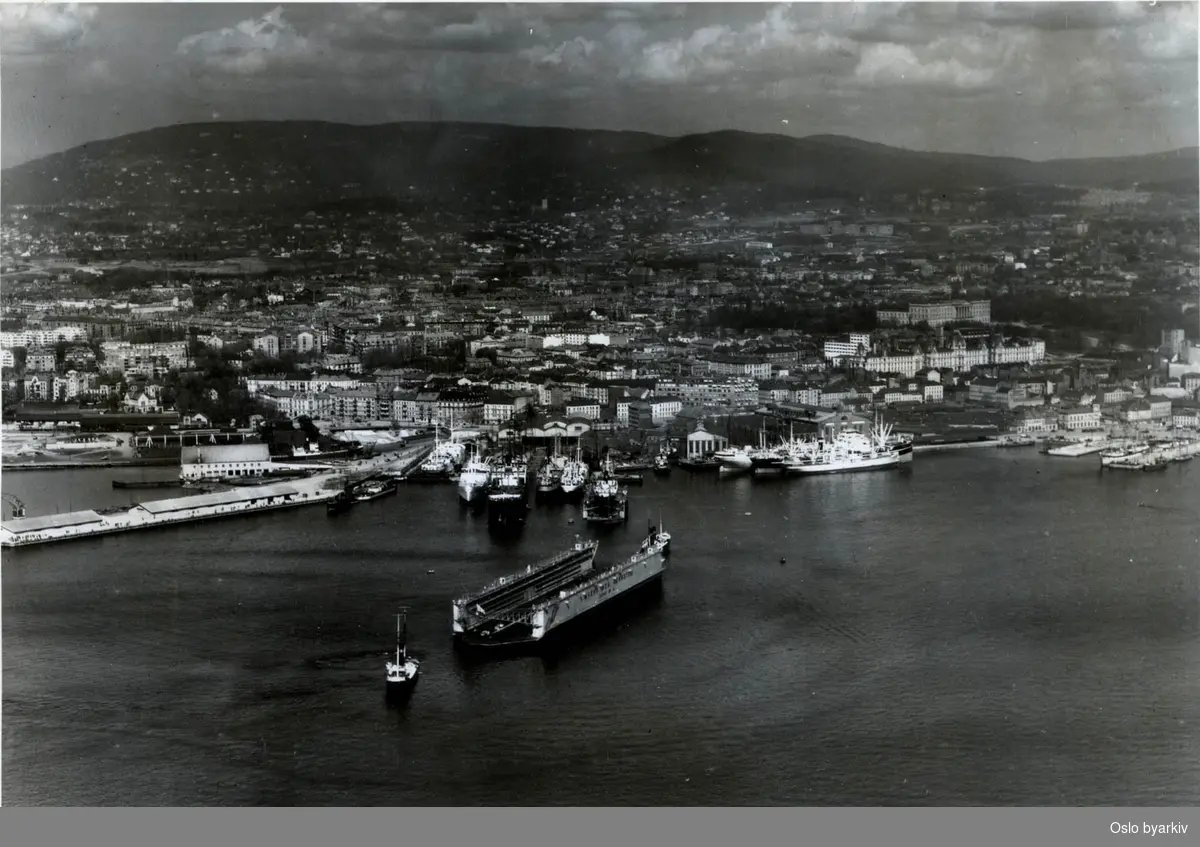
(993, 627)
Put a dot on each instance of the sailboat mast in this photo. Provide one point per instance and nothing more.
(404, 635)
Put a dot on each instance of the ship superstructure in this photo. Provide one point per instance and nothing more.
(848, 450)
(508, 496)
(574, 477)
(473, 478)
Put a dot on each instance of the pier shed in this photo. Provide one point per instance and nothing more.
(20, 529)
(222, 460)
(203, 505)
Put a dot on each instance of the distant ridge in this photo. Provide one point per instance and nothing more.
(272, 163)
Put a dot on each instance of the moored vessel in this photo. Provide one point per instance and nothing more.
(473, 478)
(373, 489)
(605, 500)
(508, 497)
(574, 477)
(849, 450)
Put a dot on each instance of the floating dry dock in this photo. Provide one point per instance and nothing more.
(47, 529)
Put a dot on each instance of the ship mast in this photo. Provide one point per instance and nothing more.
(401, 636)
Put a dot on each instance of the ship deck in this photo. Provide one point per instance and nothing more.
(527, 589)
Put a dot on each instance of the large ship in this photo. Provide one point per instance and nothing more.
(83, 444)
(526, 608)
(605, 501)
(734, 459)
(574, 477)
(508, 498)
(1122, 454)
(549, 476)
(473, 479)
(848, 450)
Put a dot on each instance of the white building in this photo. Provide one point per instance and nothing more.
(664, 409)
(224, 460)
(847, 347)
(257, 385)
(267, 344)
(1079, 418)
(150, 360)
(42, 337)
(701, 442)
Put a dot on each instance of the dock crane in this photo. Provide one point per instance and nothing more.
(18, 508)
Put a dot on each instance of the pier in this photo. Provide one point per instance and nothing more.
(90, 523)
(956, 445)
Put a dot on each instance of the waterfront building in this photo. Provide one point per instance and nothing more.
(701, 442)
(217, 461)
(1079, 418)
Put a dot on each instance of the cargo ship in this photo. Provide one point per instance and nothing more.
(508, 497)
(526, 609)
(604, 500)
(850, 450)
(573, 478)
(474, 477)
(549, 476)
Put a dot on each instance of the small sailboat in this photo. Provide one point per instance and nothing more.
(402, 673)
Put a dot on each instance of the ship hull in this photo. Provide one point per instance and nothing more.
(507, 514)
(605, 513)
(400, 690)
(882, 463)
(595, 619)
(471, 492)
(734, 461)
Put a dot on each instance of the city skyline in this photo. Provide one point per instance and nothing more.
(1029, 80)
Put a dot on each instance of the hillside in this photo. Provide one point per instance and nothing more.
(265, 164)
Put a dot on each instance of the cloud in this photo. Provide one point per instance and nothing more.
(889, 65)
(43, 28)
(1171, 35)
(778, 43)
(574, 53)
(250, 47)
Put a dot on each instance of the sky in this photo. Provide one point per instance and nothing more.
(1034, 80)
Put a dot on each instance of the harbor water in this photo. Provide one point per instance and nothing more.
(992, 627)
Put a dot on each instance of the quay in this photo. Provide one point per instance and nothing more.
(69, 465)
(956, 445)
(242, 500)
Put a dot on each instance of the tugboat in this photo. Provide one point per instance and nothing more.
(662, 464)
(402, 673)
(374, 489)
(340, 503)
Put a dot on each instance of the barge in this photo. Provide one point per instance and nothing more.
(530, 608)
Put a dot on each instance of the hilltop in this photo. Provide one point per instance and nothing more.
(263, 164)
